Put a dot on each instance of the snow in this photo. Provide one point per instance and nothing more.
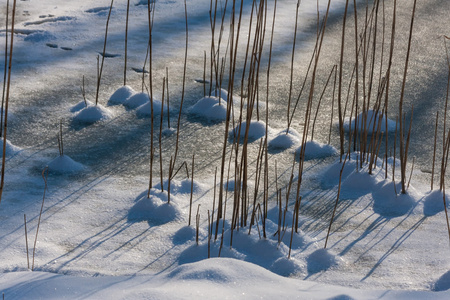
(136, 100)
(314, 150)
(65, 165)
(103, 235)
(371, 122)
(10, 148)
(92, 114)
(210, 108)
(121, 95)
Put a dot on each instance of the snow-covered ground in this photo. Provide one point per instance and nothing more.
(102, 234)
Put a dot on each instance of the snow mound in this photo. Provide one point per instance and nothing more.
(257, 130)
(156, 210)
(92, 114)
(322, 260)
(80, 105)
(10, 148)
(433, 203)
(145, 110)
(181, 187)
(315, 150)
(184, 235)
(443, 283)
(210, 108)
(389, 204)
(136, 100)
(371, 117)
(121, 95)
(64, 164)
(285, 141)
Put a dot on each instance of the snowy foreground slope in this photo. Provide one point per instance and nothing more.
(104, 235)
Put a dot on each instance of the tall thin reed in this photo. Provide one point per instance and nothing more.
(103, 54)
(5, 123)
(5, 72)
(44, 176)
(126, 45)
(26, 240)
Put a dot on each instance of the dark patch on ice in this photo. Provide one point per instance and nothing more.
(108, 55)
(341, 297)
(66, 48)
(51, 45)
(140, 70)
(46, 16)
(201, 81)
(49, 20)
(97, 9)
(143, 2)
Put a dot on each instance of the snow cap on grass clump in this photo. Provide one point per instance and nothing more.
(145, 110)
(155, 210)
(10, 148)
(322, 260)
(121, 95)
(80, 105)
(284, 266)
(92, 114)
(314, 150)
(210, 108)
(372, 117)
(184, 235)
(257, 130)
(285, 141)
(387, 203)
(63, 164)
(181, 187)
(136, 100)
(433, 203)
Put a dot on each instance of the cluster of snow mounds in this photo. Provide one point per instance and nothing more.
(63, 164)
(140, 101)
(370, 121)
(356, 182)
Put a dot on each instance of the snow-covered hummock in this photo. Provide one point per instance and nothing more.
(211, 108)
(92, 114)
(257, 130)
(145, 110)
(65, 165)
(136, 100)
(10, 148)
(372, 117)
(80, 105)
(285, 141)
(156, 209)
(121, 95)
(315, 150)
(387, 199)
